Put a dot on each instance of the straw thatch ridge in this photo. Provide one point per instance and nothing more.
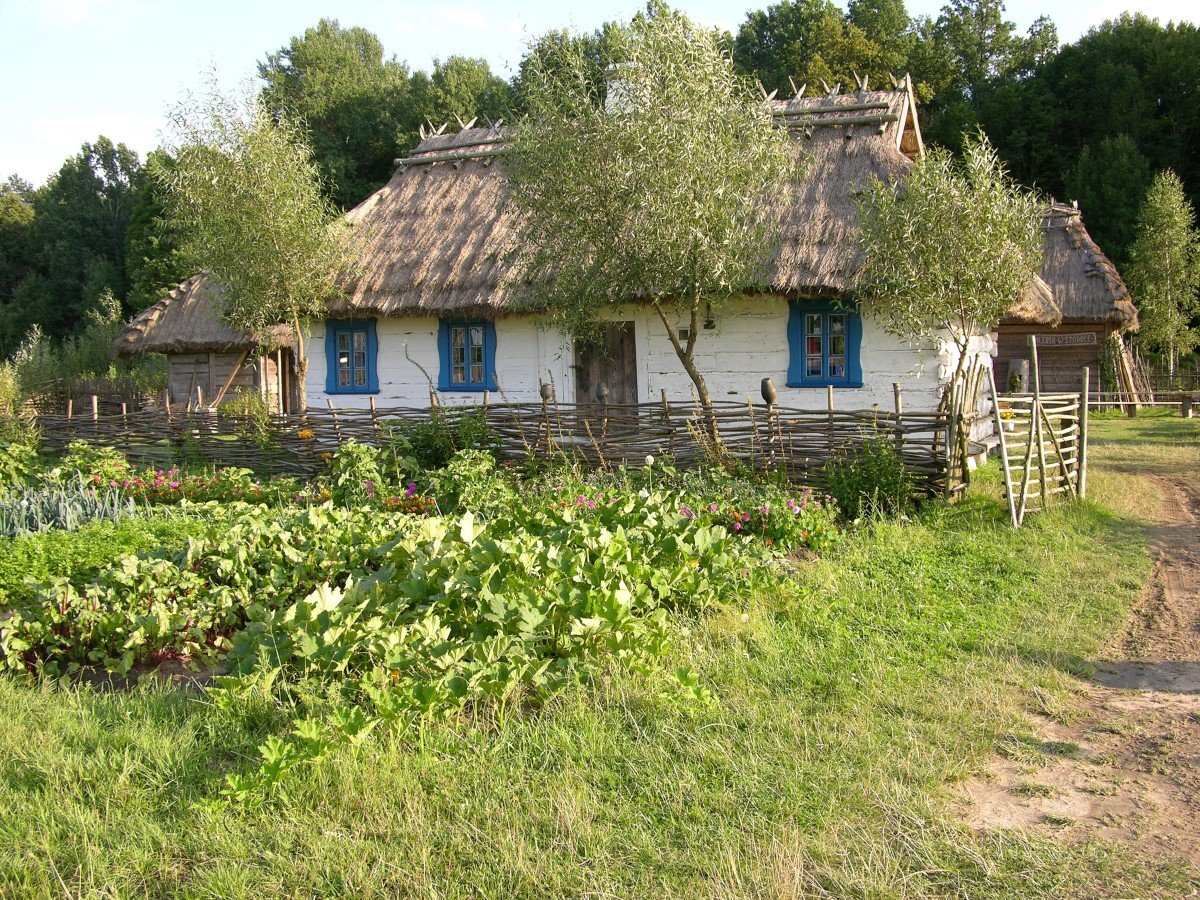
(439, 235)
(1086, 285)
(1036, 306)
(188, 320)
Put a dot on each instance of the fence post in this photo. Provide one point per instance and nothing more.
(1083, 436)
(95, 408)
(1185, 406)
(374, 420)
(899, 400)
(1036, 413)
(829, 404)
(70, 408)
(337, 428)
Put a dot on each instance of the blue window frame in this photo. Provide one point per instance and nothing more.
(351, 350)
(824, 338)
(467, 350)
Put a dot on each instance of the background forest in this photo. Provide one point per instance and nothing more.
(1091, 121)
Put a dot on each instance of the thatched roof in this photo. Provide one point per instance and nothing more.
(1085, 284)
(188, 320)
(439, 234)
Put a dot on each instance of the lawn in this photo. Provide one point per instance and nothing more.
(849, 693)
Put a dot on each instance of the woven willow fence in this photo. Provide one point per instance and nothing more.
(797, 442)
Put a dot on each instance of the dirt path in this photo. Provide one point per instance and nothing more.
(1128, 769)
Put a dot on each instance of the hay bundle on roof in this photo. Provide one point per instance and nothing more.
(1085, 284)
(188, 320)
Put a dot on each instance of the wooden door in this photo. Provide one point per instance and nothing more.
(611, 359)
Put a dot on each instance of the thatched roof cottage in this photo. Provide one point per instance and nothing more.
(207, 360)
(1092, 300)
(433, 296)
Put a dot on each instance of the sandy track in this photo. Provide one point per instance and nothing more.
(1128, 769)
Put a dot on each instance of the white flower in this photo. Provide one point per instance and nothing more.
(649, 460)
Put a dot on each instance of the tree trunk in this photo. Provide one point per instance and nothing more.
(301, 367)
(687, 354)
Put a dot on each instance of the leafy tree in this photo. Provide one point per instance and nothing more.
(459, 87)
(246, 194)
(1110, 181)
(551, 51)
(1130, 76)
(355, 105)
(16, 221)
(659, 200)
(1164, 269)
(806, 40)
(951, 252)
(78, 234)
(153, 264)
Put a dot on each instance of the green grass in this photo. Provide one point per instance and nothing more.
(850, 700)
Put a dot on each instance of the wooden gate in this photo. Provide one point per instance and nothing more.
(610, 360)
(1043, 444)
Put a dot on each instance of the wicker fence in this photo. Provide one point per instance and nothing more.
(797, 442)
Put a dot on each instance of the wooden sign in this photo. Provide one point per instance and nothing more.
(1076, 339)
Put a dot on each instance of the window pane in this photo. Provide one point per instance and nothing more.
(360, 377)
(477, 336)
(476, 373)
(343, 376)
(837, 367)
(458, 337)
(813, 345)
(813, 367)
(812, 323)
(360, 359)
(360, 340)
(343, 341)
(837, 345)
(837, 323)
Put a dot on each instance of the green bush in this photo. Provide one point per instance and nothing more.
(79, 555)
(870, 479)
(100, 465)
(18, 460)
(432, 443)
(354, 473)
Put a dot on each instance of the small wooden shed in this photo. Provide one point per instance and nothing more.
(1091, 297)
(208, 361)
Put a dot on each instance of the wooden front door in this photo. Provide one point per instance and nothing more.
(611, 359)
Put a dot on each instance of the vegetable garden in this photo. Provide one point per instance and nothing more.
(389, 590)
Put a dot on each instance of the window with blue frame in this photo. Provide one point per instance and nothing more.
(823, 343)
(467, 351)
(351, 348)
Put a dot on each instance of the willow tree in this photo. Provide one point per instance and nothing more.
(661, 198)
(246, 195)
(950, 250)
(1164, 269)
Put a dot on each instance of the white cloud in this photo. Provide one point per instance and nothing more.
(69, 12)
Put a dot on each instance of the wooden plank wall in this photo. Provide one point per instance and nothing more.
(1060, 365)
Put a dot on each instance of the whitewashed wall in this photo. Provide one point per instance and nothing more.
(526, 356)
(748, 343)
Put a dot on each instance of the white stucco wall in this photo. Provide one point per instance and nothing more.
(748, 343)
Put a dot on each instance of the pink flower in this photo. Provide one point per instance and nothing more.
(712, 507)
(737, 526)
(174, 485)
(686, 512)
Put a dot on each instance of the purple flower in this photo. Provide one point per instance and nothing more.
(411, 489)
(686, 512)
(737, 526)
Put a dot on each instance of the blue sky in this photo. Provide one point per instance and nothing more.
(73, 69)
